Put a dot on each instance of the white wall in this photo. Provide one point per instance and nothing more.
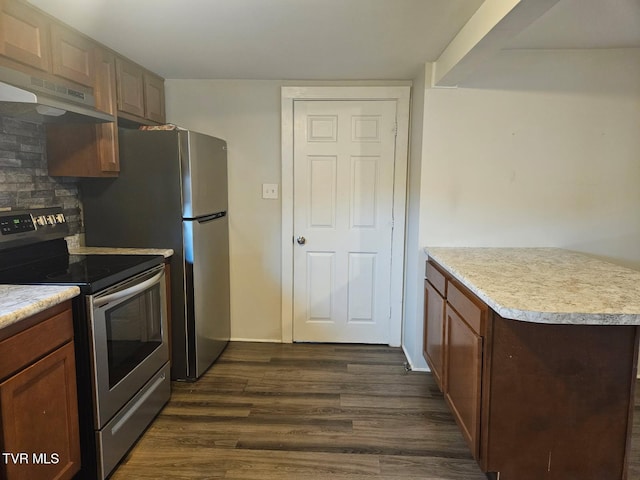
(551, 157)
(538, 149)
(247, 115)
(414, 256)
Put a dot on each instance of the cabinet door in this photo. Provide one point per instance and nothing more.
(433, 344)
(130, 81)
(24, 35)
(87, 150)
(72, 56)
(40, 418)
(107, 133)
(463, 377)
(154, 97)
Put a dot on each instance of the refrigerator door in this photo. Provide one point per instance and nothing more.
(203, 160)
(206, 257)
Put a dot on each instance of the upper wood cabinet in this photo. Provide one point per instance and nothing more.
(72, 55)
(106, 100)
(88, 150)
(24, 35)
(105, 85)
(130, 87)
(33, 40)
(140, 92)
(37, 44)
(154, 97)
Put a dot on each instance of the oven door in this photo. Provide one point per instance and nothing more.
(129, 339)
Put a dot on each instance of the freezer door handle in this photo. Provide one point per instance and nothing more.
(210, 218)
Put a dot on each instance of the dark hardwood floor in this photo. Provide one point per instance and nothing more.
(308, 411)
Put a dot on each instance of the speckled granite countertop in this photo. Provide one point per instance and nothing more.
(166, 252)
(546, 285)
(21, 301)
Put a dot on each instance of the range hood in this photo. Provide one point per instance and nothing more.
(34, 99)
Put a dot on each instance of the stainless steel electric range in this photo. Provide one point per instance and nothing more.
(120, 330)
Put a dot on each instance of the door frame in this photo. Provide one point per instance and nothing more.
(399, 94)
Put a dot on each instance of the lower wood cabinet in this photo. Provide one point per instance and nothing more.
(433, 345)
(463, 354)
(532, 400)
(38, 400)
(453, 348)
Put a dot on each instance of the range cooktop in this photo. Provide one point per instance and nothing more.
(89, 272)
(33, 251)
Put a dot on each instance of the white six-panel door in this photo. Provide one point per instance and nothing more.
(343, 220)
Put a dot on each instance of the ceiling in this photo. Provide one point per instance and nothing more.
(582, 24)
(320, 39)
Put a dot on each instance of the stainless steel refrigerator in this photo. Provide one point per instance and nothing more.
(172, 193)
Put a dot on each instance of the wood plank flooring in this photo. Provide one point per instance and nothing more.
(307, 411)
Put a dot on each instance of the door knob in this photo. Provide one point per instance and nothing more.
(301, 240)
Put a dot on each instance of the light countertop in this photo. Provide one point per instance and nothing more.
(546, 285)
(21, 301)
(165, 252)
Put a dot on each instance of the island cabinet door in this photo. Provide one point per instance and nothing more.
(433, 343)
(464, 376)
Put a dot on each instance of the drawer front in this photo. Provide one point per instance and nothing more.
(22, 349)
(436, 278)
(472, 310)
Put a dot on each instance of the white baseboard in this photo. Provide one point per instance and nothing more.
(411, 364)
(256, 340)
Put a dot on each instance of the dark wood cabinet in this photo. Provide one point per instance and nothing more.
(453, 347)
(532, 400)
(38, 399)
(433, 344)
(464, 376)
(25, 35)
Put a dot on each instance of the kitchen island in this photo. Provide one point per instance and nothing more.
(536, 352)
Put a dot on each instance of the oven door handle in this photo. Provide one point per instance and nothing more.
(127, 292)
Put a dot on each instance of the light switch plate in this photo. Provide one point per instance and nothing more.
(270, 191)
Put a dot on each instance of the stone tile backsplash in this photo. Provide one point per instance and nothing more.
(24, 179)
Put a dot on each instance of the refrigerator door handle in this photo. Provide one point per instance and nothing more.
(210, 218)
